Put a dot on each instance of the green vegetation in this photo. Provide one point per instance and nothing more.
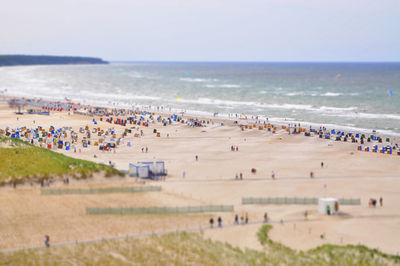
(15, 60)
(193, 249)
(324, 255)
(20, 161)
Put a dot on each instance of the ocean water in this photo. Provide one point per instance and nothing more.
(353, 95)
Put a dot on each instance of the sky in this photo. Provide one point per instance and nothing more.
(204, 30)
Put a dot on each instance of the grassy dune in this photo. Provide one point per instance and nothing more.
(324, 255)
(193, 249)
(20, 161)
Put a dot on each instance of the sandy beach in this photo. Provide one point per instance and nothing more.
(347, 173)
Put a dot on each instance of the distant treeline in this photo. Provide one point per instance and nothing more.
(15, 60)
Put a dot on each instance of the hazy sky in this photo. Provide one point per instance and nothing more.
(204, 30)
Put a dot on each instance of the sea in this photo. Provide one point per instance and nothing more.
(354, 96)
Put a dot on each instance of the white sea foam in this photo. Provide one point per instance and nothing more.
(222, 86)
(230, 86)
(336, 109)
(208, 101)
(294, 93)
(107, 96)
(306, 107)
(197, 79)
(331, 94)
(370, 116)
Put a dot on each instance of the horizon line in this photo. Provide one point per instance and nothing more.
(271, 62)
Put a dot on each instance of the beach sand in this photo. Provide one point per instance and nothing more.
(26, 216)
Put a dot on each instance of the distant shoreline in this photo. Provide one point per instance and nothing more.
(29, 60)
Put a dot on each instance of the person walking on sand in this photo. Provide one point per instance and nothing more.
(47, 241)
(322, 164)
(306, 215)
(241, 176)
(311, 174)
(236, 219)
(273, 175)
(211, 222)
(246, 220)
(183, 174)
(219, 221)
(197, 158)
(381, 201)
(265, 217)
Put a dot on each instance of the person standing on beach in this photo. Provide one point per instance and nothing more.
(273, 175)
(197, 158)
(183, 174)
(47, 241)
(246, 220)
(236, 219)
(241, 176)
(322, 164)
(381, 201)
(211, 222)
(265, 217)
(219, 221)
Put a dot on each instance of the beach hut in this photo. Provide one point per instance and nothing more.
(328, 206)
(139, 170)
(157, 168)
(152, 169)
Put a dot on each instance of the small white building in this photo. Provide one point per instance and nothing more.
(328, 205)
(147, 169)
(139, 170)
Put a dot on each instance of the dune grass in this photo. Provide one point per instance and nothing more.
(326, 254)
(193, 249)
(20, 161)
